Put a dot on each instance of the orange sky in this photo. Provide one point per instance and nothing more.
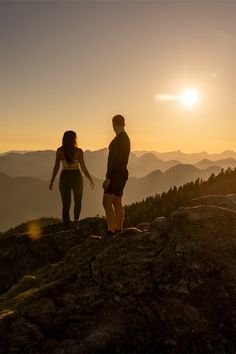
(73, 65)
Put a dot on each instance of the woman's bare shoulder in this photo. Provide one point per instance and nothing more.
(60, 151)
(79, 151)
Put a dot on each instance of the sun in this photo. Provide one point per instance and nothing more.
(189, 97)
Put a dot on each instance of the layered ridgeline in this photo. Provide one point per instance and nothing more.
(38, 164)
(168, 287)
(165, 203)
(24, 182)
(24, 198)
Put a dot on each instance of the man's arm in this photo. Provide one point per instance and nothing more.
(118, 158)
(112, 158)
(84, 168)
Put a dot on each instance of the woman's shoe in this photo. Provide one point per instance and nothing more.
(67, 226)
(76, 225)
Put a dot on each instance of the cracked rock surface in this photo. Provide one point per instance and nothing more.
(168, 288)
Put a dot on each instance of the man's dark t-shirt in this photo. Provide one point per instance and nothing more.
(119, 150)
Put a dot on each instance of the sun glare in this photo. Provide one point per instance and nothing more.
(189, 97)
(34, 230)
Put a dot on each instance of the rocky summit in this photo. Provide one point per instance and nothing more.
(168, 286)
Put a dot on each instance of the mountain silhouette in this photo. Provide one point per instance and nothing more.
(165, 203)
(189, 158)
(25, 198)
(158, 182)
(223, 163)
(36, 164)
(147, 163)
(39, 164)
(24, 183)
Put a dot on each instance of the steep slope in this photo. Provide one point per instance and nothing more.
(158, 182)
(165, 203)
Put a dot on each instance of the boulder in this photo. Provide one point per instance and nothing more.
(224, 201)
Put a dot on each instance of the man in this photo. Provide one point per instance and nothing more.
(116, 176)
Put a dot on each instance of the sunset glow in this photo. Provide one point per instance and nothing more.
(72, 65)
(189, 97)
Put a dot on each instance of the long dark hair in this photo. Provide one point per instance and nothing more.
(69, 142)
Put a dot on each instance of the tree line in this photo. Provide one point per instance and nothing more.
(165, 203)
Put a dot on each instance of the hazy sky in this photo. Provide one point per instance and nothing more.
(72, 65)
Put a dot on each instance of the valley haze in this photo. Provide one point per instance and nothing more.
(24, 178)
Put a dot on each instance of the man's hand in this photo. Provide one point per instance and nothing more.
(106, 184)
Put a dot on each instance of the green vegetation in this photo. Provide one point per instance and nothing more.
(164, 204)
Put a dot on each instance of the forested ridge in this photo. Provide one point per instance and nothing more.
(165, 203)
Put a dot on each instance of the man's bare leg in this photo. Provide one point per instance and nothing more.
(119, 212)
(110, 213)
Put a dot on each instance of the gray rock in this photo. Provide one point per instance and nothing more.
(168, 288)
(225, 201)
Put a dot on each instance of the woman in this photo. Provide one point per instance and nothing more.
(70, 179)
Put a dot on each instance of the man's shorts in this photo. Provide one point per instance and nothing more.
(116, 186)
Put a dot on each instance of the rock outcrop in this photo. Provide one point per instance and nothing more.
(224, 201)
(23, 254)
(168, 288)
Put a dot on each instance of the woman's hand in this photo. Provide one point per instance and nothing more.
(50, 186)
(92, 184)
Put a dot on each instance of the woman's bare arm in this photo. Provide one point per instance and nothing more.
(56, 167)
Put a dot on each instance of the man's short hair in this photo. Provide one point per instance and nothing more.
(118, 120)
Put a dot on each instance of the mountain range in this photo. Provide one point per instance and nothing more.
(191, 158)
(25, 198)
(24, 180)
(39, 164)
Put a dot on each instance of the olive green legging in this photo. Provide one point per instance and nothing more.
(71, 180)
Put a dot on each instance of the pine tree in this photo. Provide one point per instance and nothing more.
(164, 204)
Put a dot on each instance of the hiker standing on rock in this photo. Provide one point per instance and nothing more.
(116, 176)
(72, 159)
